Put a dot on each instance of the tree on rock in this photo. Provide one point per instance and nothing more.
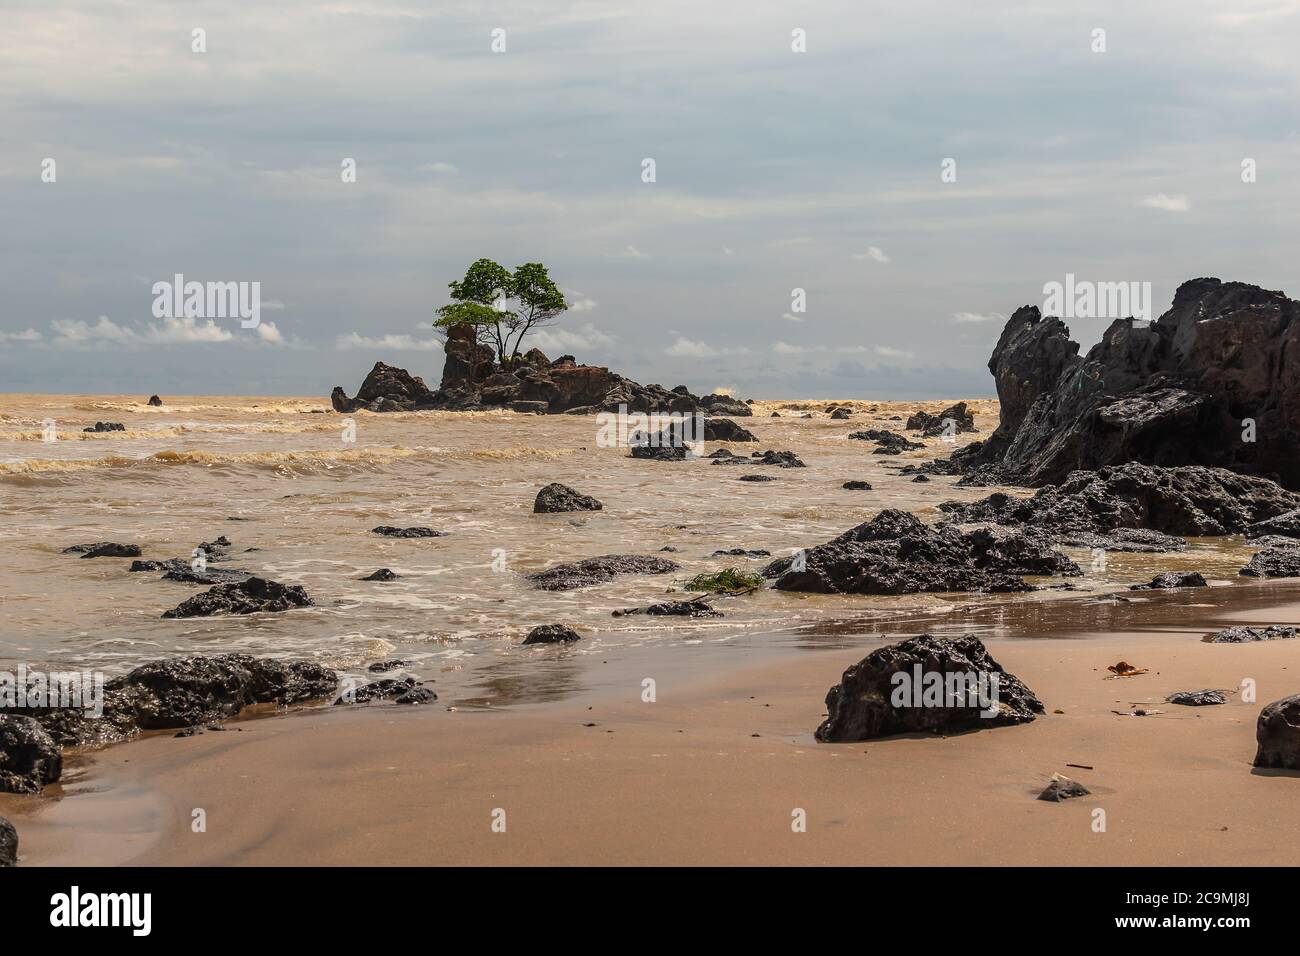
(502, 306)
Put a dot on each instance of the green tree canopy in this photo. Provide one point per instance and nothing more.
(484, 300)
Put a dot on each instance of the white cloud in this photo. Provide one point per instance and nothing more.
(269, 333)
(390, 342)
(884, 351)
(874, 253)
(785, 348)
(632, 252)
(791, 317)
(973, 317)
(27, 335)
(689, 348)
(588, 338)
(444, 168)
(1177, 203)
(184, 331)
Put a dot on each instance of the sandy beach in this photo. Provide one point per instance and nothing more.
(713, 770)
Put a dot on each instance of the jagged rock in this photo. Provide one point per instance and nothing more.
(383, 574)
(1178, 391)
(724, 429)
(386, 388)
(1285, 525)
(894, 553)
(106, 427)
(1245, 635)
(839, 414)
(388, 531)
(29, 756)
(104, 549)
(254, 596)
(1061, 787)
(856, 485)
(1187, 500)
(405, 690)
(1197, 698)
(1136, 540)
(696, 608)
(1171, 579)
(779, 459)
(887, 442)
(8, 844)
(1274, 563)
(1278, 734)
(155, 401)
(556, 497)
(598, 570)
(217, 550)
(756, 478)
(871, 701)
(552, 634)
(930, 426)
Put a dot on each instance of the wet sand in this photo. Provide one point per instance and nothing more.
(712, 771)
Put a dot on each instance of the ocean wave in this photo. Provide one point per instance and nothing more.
(267, 460)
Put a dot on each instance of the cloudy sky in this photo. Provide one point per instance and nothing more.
(775, 170)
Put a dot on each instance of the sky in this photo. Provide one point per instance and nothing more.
(775, 169)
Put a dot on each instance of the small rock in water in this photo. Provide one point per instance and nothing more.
(1246, 635)
(856, 485)
(247, 597)
(380, 667)
(8, 843)
(106, 427)
(390, 532)
(1278, 734)
(1197, 698)
(1062, 788)
(1172, 579)
(580, 574)
(105, 549)
(921, 477)
(383, 574)
(404, 691)
(552, 634)
(757, 478)
(695, 608)
(155, 401)
(556, 497)
(741, 553)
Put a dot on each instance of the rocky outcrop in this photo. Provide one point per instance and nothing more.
(186, 692)
(472, 381)
(552, 634)
(887, 442)
(1247, 635)
(931, 426)
(556, 497)
(599, 570)
(1274, 562)
(886, 692)
(29, 756)
(1171, 579)
(1211, 382)
(1285, 525)
(1188, 500)
(254, 596)
(894, 553)
(155, 401)
(1278, 734)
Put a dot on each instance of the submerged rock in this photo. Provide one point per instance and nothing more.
(552, 634)
(1246, 635)
(1278, 734)
(404, 690)
(155, 401)
(598, 570)
(254, 596)
(894, 553)
(106, 427)
(29, 756)
(191, 575)
(1171, 579)
(887, 442)
(8, 844)
(388, 531)
(1061, 787)
(779, 459)
(696, 608)
(879, 695)
(104, 549)
(757, 478)
(1197, 698)
(556, 497)
(383, 574)
(857, 485)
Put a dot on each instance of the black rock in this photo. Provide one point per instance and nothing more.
(840, 414)
(757, 478)
(894, 553)
(724, 429)
(155, 401)
(741, 553)
(552, 634)
(889, 443)
(390, 532)
(1197, 698)
(1274, 563)
(869, 701)
(921, 477)
(1278, 734)
(1139, 540)
(29, 756)
(581, 574)
(1286, 525)
(383, 574)
(856, 485)
(171, 564)
(406, 690)
(779, 459)
(1062, 788)
(556, 497)
(1246, 635)
(696, 608)
(382, 667)
(1171, 579)
(930, 426)
(8, 844)
(254, 596)
(106, 427)
(190, 575)
(105, 549)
